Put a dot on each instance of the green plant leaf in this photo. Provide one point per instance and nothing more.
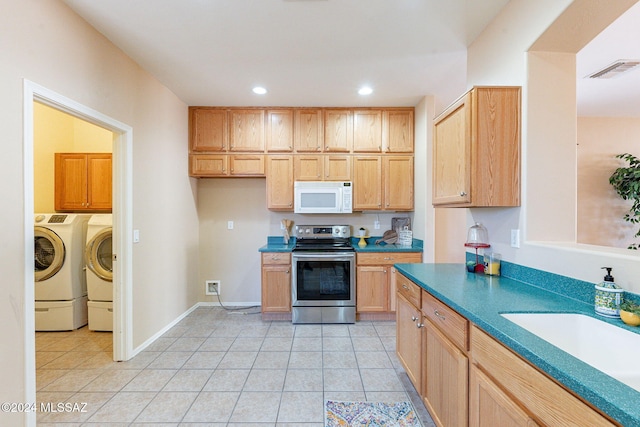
(626, 182)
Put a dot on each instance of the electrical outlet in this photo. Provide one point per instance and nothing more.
(212, 287)
(376, 225)
(515, 238)
(229, 225)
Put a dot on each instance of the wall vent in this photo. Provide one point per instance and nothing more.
(616, 69)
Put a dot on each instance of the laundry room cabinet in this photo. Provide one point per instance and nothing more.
(83, 182)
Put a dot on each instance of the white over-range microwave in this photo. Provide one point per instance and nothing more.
(323, 197)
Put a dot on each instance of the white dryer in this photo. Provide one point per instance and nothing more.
(59, 279)
(98, 256)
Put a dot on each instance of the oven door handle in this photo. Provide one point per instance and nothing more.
(332, 255)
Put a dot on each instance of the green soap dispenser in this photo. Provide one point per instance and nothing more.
(608, 296)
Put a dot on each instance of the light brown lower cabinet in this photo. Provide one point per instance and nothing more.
(409, 339)
(490, 406)
(276, 282)
(545, 401)
(444, 377)
(467, 378)
(375, 279)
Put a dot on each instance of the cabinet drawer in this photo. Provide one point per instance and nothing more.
(382, 258)
(276, 258)
(454, 326)
(409, 290)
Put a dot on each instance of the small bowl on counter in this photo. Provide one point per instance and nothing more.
(630, 312)
(630, 318)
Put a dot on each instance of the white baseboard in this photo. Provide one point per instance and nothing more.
(161, 332)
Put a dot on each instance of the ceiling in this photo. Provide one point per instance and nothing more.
(320, 52)
(619, 96)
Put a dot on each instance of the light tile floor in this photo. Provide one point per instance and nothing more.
(220, 368)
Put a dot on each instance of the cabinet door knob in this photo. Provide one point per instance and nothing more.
(463, 193)
(414, 318)
(419, 325)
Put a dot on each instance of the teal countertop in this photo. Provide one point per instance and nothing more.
(276, 244)
(482, 299)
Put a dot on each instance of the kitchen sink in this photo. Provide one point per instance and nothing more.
(607, 347)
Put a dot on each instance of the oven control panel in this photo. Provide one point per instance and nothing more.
(322, 231)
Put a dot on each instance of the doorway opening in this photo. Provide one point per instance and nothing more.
(122, 222)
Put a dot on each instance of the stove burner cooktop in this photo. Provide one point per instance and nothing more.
(330, 238)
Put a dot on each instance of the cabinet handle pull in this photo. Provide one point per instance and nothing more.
(463, 193)
(439, 315)
(406, 287)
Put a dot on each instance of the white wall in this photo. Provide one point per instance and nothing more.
(547, 217)
(57, 132)
(232, 256)
(45, 42)
(600, 210)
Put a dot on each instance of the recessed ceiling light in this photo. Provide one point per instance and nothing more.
(259, 90)
(365, 90)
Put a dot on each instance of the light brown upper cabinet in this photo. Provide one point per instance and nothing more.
(383, 183)
(209, 165)
(398, 183)
(367, 131)
(309, 130)
(83, 182)
(476, 150)
(246, 130)
(318, 167)
(397, 131)
(280, 182)
(338, 130)
(280, 130)
(208, 129)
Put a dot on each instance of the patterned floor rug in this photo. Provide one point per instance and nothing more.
(369, 414)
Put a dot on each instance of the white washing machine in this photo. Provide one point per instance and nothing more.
(98, 256)
(59, 278)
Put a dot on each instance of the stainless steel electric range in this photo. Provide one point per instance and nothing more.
(324, 271)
